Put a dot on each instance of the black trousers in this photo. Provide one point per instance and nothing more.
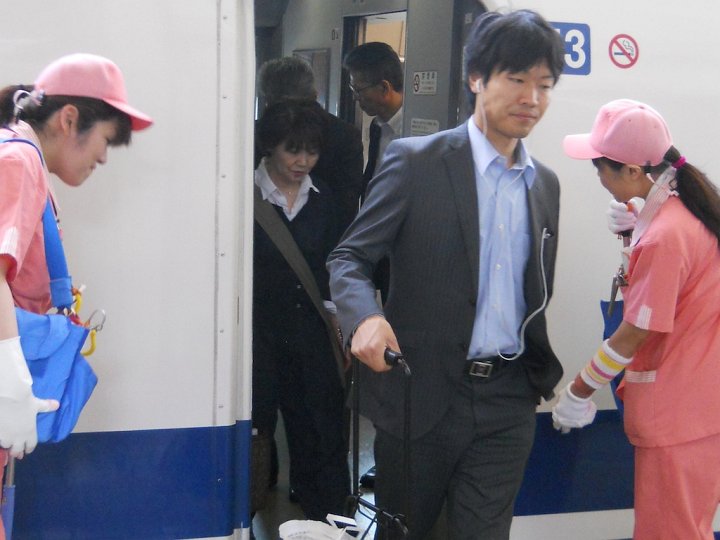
(473, 460)
(294, 372)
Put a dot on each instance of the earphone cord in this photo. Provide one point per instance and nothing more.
(545, 236)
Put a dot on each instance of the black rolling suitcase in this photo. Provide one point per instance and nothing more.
(389, 525)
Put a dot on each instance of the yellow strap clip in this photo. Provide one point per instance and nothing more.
(94, 327)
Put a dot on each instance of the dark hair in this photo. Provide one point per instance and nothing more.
(696, 191)
(516, 41)
(90, 111)
(286, 78)
(376, 61)
(300, 125)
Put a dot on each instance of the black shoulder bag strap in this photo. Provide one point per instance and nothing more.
(268, 219)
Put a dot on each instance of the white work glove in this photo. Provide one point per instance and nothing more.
(572, 411)
(623, 216)
(18, 406)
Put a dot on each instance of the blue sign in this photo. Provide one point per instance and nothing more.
(576, 37)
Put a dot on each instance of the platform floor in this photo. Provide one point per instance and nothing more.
(279, 508)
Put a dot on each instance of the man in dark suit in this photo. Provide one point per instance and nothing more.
(341, 162)
(376, 83)
(468, 314)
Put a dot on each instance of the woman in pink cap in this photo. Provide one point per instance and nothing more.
(62, 124)
(669, 340)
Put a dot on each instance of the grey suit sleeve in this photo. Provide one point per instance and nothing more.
(368, 239)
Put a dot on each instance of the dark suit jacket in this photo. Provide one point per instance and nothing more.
(421, 210)
(340, 166)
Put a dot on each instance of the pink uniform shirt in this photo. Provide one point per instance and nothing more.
(671, 388)
(24, 191)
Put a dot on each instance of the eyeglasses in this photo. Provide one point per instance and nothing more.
(356, 91)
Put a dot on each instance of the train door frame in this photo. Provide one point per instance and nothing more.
(464, 14)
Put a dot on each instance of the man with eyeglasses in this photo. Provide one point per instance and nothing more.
(376, 83)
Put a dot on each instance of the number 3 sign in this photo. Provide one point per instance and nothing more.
(577, 47)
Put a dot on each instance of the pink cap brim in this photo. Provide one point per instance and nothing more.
(138, 120)
(579, 147)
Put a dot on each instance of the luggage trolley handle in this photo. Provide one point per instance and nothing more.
(397, 359)
(394, 359)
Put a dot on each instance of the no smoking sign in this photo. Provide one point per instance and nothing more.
(624, 51)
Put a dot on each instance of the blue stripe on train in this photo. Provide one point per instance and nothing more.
(153, 484)
(189, 483)
(586, 470)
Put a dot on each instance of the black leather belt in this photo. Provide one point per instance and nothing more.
(484, 368)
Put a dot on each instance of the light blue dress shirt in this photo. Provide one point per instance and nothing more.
(504, 246)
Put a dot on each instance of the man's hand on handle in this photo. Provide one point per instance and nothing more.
(370, 340)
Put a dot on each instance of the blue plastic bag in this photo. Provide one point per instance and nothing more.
(51, 345)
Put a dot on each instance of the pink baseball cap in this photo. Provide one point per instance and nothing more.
(626, 131)
(89, 75)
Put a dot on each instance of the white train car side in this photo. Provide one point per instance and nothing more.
(158, 238)
(162, 238)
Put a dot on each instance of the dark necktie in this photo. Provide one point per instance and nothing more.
(373, 149)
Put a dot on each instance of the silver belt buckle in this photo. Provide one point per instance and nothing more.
(479, 368)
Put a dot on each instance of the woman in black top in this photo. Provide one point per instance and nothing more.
(294, 368)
